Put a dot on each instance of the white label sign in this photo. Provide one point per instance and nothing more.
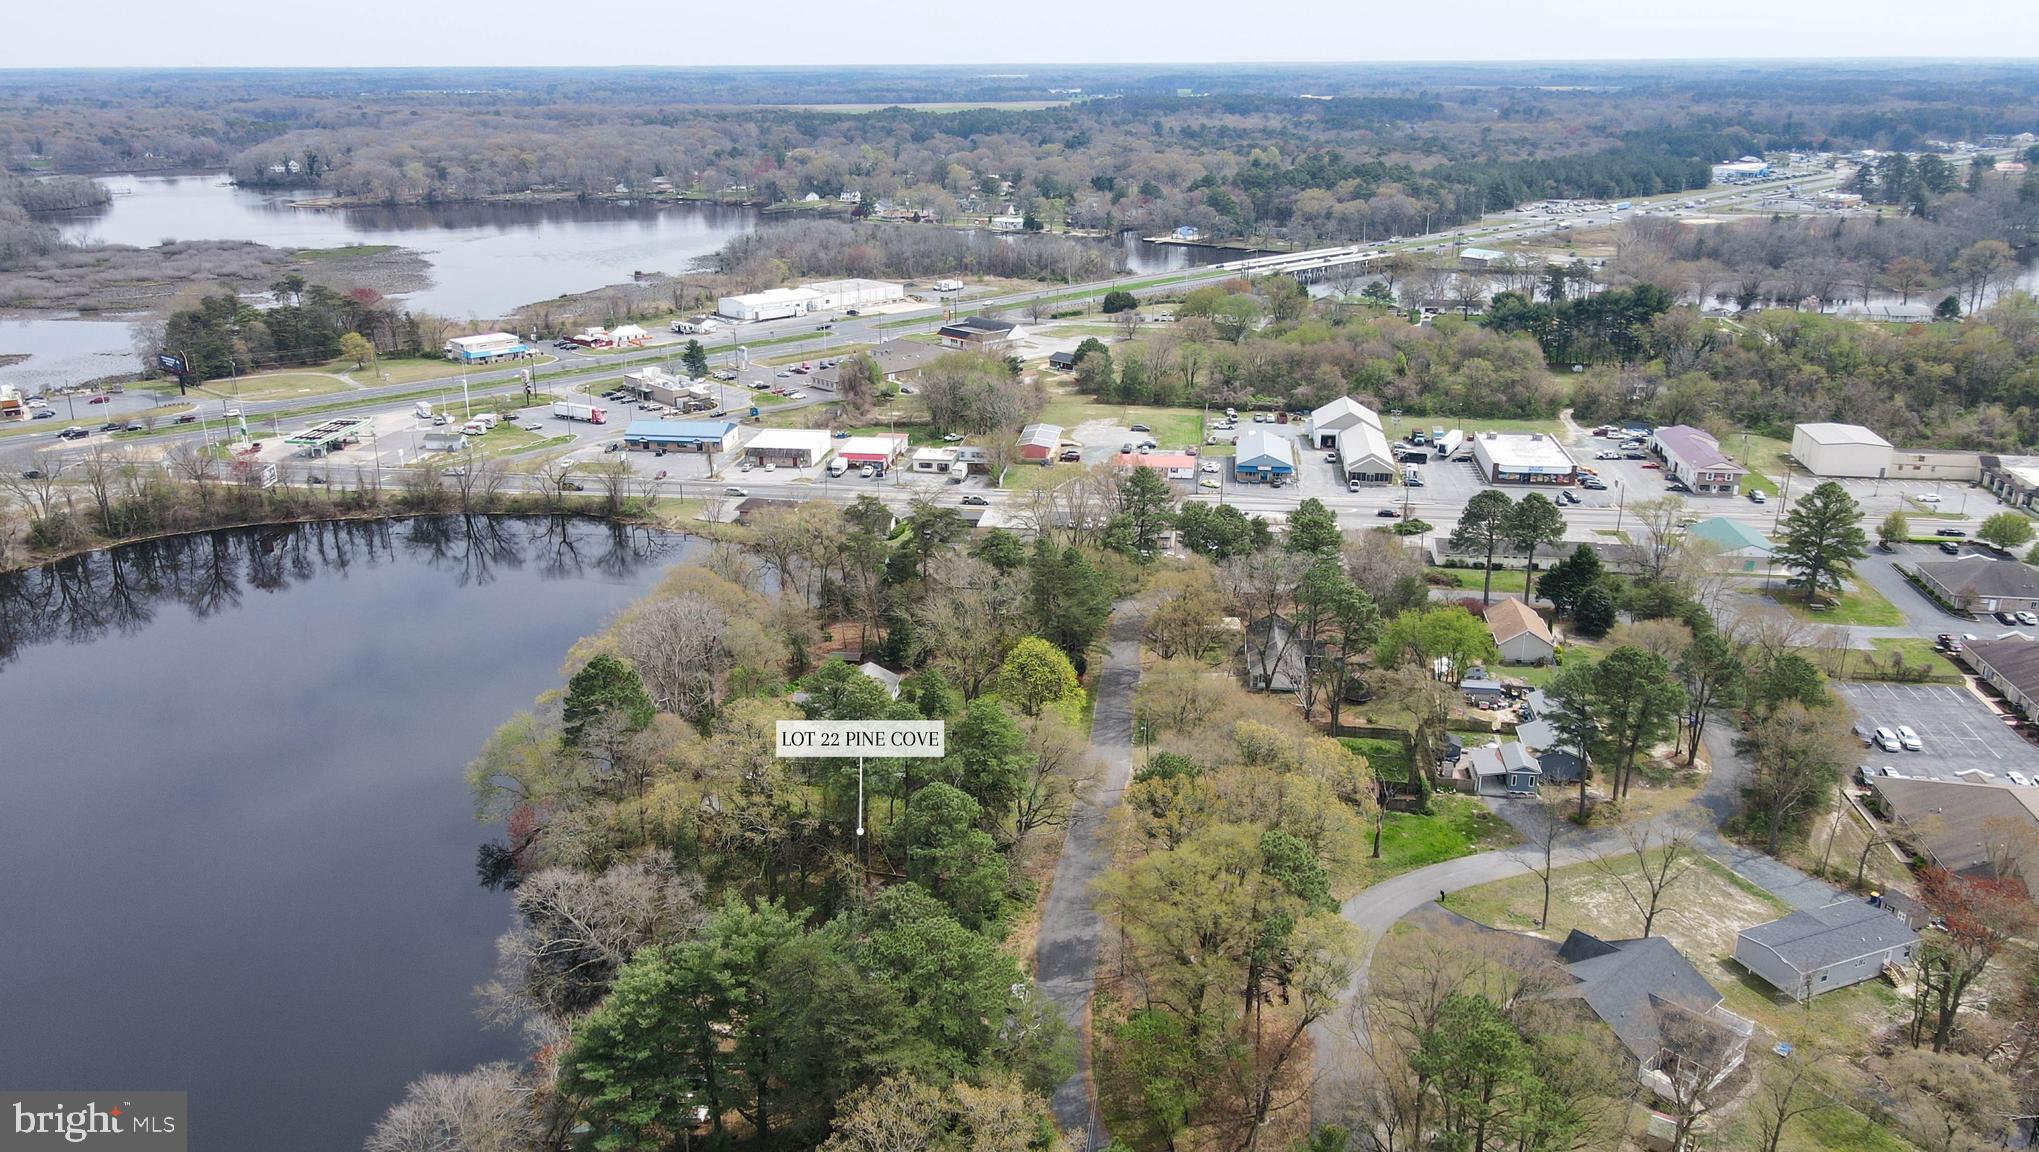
(853, 738)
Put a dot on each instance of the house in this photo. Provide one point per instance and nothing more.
(1274, 658)
(1520, 633)
(710, 436)
(788, 447)
(1694, 456)
(1636, 987)
(1560, 761)
(1818, 950)
(1364, 454)
(1532, 458)
(1008, 222)
(898, 361)
(1062, 361)
(1038, 443)
(1327, 422)
(1497, 769)
(885, 677)
(2010, 664)
(980, 333)
(1981, 584)
(1176, 466)
(1963, 827)
(1839, 450)
(1263, 456)
(1741, 547)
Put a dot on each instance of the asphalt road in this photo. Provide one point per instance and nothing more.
(1066, 948)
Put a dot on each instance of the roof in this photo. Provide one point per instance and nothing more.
(1161, 461)
(1946, 818)
(1816, 938)
(1983, 576)
(1363, 441)
(1342, 410)
(1041, 435)
(774, 296)
(1513, 450)
(1508, 618)
(1625, 982)
(1840, 434)
(886, 444)
(1731, 535)
(678, 429)
(1259, 443)
(1482, 254)
(935, 454)
(2012, 658)
(882, 675)
(1502, 759)
(815, 440)
(980, 325)
(1062, 359)
(1695, 447)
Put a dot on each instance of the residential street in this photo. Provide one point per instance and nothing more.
(1066, 948)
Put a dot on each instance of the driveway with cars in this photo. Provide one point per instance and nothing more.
(1957, 731)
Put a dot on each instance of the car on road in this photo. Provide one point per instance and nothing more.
(112, 426)
(1909, 739)
(99, 400)
(231, 413)
(456, 470)
(572, 486)
(137, 426)
(783, 374)
(31, 473)
(45, 414)
(1956, 533)
(1388, 514)
(1212, 484)
(1950, 547)
(796, 395)
(2027, 619)
(976, 501)
(1139, 428)
(733, 490)
(74, 433)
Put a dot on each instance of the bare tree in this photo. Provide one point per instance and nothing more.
(37, 487)
(1786, 1091)
(1649, 869)
(489, 1109)
(1540, 851)
(1060, 771)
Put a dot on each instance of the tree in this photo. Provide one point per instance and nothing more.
(1948, 1103)
(604, 689)
(1450, 633)
(1786, 1091)
(1481, 529)
(1035, 674)
(1648, 871)
(1822, 538)
(1571, 578)
(1633, 702)
(695, 359)
(1532, 523)
(2006, 530)
(1595, 614)
(1541, 850)
(1787, 678)
(1312, 529)
(1797, 759)
(1119, 300)
(1712, 673)
(1982, 914)
(1147, 505)
(1905, 274)
(1069, 597)
(950, 855)
(486, 1110)
(1981, 265)
(358, 348)
(1949, 308)
(1895, 529)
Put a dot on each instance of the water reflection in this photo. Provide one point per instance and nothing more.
(119, 590)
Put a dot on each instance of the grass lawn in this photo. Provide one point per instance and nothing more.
(1764, 458)
(1031, 477)
(1387, 758)
(1172, 427)
(506, 439)
(277, 386)
(1505, 579)
(1855, 664)
(1860, 604)
(1456, 826)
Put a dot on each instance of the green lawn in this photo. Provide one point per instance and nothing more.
(1387, 758)
(1859, 665)
(1456, 826)
(1173, 428)
(1860, 605)
(277, 386)
(1505, 579)
(1030, 477)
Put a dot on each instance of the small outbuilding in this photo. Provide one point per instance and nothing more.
(1818, 950)
(1038, 443)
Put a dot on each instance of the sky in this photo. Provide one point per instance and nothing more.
(393, 33)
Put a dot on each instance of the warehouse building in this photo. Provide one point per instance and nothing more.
(710, 436)
(486, 347)
(771, 304)
(1515, 458)
(854, 293)
(1364, 454)
(882, 449)
(1039, 442)
(1840, 450)
(788, 447)
(1327, 422)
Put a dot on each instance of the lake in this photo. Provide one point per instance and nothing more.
(238, 854)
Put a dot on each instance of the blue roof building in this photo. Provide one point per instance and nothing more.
(1263, 455)
(681, 435)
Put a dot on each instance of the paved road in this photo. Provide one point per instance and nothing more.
(1066, 950)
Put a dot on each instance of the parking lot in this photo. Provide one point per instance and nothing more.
(1958, 731)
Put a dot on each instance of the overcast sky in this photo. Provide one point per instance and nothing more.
(367, 33)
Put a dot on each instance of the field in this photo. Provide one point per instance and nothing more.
(958, 106)
(1860, 604)
(1456, 826)
(1174, 428)
(1854, 663)
(1032, 477)
(276, 386)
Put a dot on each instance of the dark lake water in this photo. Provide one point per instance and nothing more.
(236, 852)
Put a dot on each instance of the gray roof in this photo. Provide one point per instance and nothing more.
(988, 325)
(1695, 447)
(1626, 982)
(1812, 939)
(1984, 576)
(1946, 818)
(2012, 658)
(1501, 759)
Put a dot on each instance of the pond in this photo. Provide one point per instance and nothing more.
(237, 850)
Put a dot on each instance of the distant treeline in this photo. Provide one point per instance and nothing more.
(224, 335)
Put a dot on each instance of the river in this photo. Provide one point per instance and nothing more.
(237, 857)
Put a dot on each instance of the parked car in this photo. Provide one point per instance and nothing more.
(1888, 741)
(1928, 498)
(1210, 468)
(2027, 619)
(866, 472)
(1756, 496)
(1139, 428)
(2005, 618)
(953, 438)
(1607, 454)
(1071, 456)
(976, 501)
(1950, 547)
(1909, 739)
(745, 466)
(1633, 456)
(1651, 464)
(1207, 484)
(842, 435)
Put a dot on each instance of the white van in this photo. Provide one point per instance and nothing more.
(1888, 741)
(838, 466)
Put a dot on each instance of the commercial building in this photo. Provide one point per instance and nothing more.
(1177, 466)
(2013, 479)
(1741, 547)
(788, 447)
(1839, 450)
(710, 436)
(1741, 171)
(1982, 584)
(1365, 455)
(771, 304)
(1960, 826)
(1820, 949)
(1263, 456)
(330, 436)
(854, 293)
(683, 392)
(487, 347)
(1480, 258)
(1345, 412)
(1935, 464)
(940, 461)
(1038, 443)
(1520, 633)
(981, 333)
(12, 406)
(1008, 222)
(1519, 458)
(882, 449)
(1694, 456)
(441, 441)
(2010, 664)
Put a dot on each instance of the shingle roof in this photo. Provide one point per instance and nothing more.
(1984, 576)
(1624, 981)
(1945, 818)
(1694, 447)
(1508, 618)
(2012, 658)
(1731, 535)
(1810, 940)
(1259, 442)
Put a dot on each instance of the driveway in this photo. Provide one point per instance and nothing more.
(1922, 616)
(1065, 950)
